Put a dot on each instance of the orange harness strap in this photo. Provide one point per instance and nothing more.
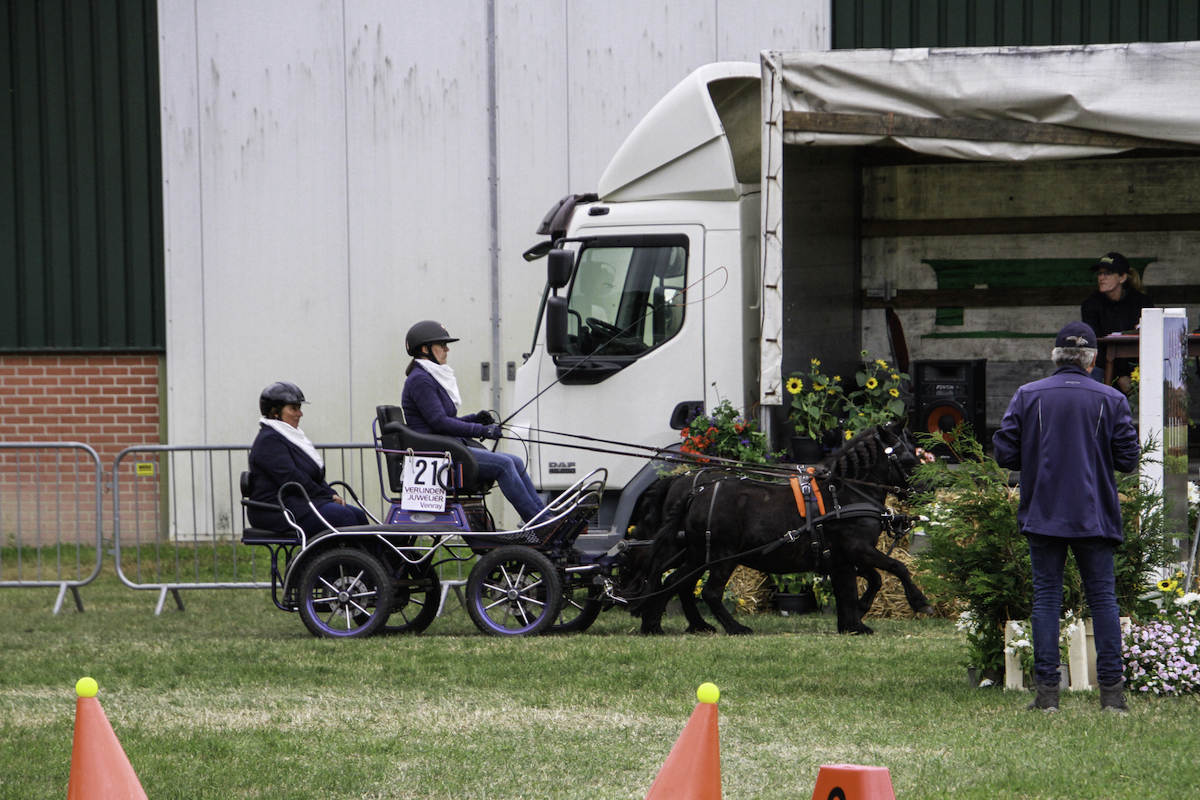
(795, 482)
(799, 492)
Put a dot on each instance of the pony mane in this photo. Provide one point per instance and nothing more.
(856, 457)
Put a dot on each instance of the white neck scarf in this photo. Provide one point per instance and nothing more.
(296, 437)
(444, 375)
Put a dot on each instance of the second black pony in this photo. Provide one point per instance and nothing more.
(719, 520)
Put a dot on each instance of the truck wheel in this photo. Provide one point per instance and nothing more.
(513, 591)
(344, 593)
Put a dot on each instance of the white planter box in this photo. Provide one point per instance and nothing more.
(1081, 656)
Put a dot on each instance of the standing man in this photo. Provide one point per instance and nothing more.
(1066, 434)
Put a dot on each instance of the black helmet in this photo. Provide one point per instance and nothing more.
(423, 333)
(279, 394)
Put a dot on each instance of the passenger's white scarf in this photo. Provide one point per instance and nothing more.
(443, 374)
(296, 437)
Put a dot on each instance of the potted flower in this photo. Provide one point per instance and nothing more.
(877, 399)
(795, 593)
(817, 403)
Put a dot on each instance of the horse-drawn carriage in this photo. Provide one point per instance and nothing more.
(385, 577)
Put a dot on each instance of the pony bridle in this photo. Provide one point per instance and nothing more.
(902, 487)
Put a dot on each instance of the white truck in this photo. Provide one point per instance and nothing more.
(764, 214)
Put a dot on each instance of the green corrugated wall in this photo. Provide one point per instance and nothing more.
(81, 253)
(986, 23)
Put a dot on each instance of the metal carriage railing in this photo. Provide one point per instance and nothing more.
(177, 515)
(51, 516)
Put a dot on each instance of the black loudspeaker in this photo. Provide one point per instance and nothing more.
(946, 393)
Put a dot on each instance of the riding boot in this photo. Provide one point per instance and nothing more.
(1046, 699)
(1112, 698)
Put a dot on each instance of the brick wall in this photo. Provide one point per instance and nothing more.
(108, 402)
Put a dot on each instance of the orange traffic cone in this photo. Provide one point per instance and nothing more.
(100, 770)
(692, 770)
(852, 782)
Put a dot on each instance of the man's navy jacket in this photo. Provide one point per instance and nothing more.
(1066, 434)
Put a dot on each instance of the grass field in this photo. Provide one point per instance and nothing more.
(233, 699)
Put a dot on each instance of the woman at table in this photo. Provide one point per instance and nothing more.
(1116, 306)
(430, 401)
(283, 454)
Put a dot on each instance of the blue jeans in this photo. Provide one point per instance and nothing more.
(1094, 555)
(508, 470)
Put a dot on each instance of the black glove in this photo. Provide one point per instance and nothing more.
(485, 418)
(491, 431)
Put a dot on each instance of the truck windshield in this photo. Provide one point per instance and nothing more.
(626, 300)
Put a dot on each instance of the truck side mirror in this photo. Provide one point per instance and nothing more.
(556, 324)
(558, 269)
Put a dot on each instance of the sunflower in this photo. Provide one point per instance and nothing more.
(882, 364)
(894, 392)
(872, 383)
(816, 362)
(795, 386)
(849, 435)
(1166, 585)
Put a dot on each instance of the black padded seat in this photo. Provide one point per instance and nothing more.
(395, 435)
(262, 536)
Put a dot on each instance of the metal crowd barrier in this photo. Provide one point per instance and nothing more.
(50, 516)
(177, 515)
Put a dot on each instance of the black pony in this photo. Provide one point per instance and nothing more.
(719, 520)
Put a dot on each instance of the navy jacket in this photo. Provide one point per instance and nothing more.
(1107, 316)
(428, 408)
(1066, 434)
(275, 461)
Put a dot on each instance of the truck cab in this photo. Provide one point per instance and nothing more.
(650, 307)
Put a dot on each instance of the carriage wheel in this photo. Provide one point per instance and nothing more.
(416, 595)
(580, 607)
(513, 591)
(344, 593)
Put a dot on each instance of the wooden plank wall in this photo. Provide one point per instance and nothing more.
(1146, 208)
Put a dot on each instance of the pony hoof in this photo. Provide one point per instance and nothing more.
(741, 630)
(926, 610)
(701, 629)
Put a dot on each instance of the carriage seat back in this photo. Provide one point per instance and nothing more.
(259, 535)
(395, 435)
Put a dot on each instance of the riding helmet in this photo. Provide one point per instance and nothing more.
(423, 333)
(279, 393)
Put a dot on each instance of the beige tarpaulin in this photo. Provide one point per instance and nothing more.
(992, 104)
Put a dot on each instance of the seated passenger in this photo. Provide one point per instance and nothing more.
(430, 401)
(281, 454)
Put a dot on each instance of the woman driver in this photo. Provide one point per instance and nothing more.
(430, 400)
(283, 454)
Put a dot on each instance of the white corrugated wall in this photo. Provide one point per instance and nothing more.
(327, 173)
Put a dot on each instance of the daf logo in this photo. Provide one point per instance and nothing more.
(562, 467)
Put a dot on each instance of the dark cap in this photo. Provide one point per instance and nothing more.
(1113, 262)
(1076, 334)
